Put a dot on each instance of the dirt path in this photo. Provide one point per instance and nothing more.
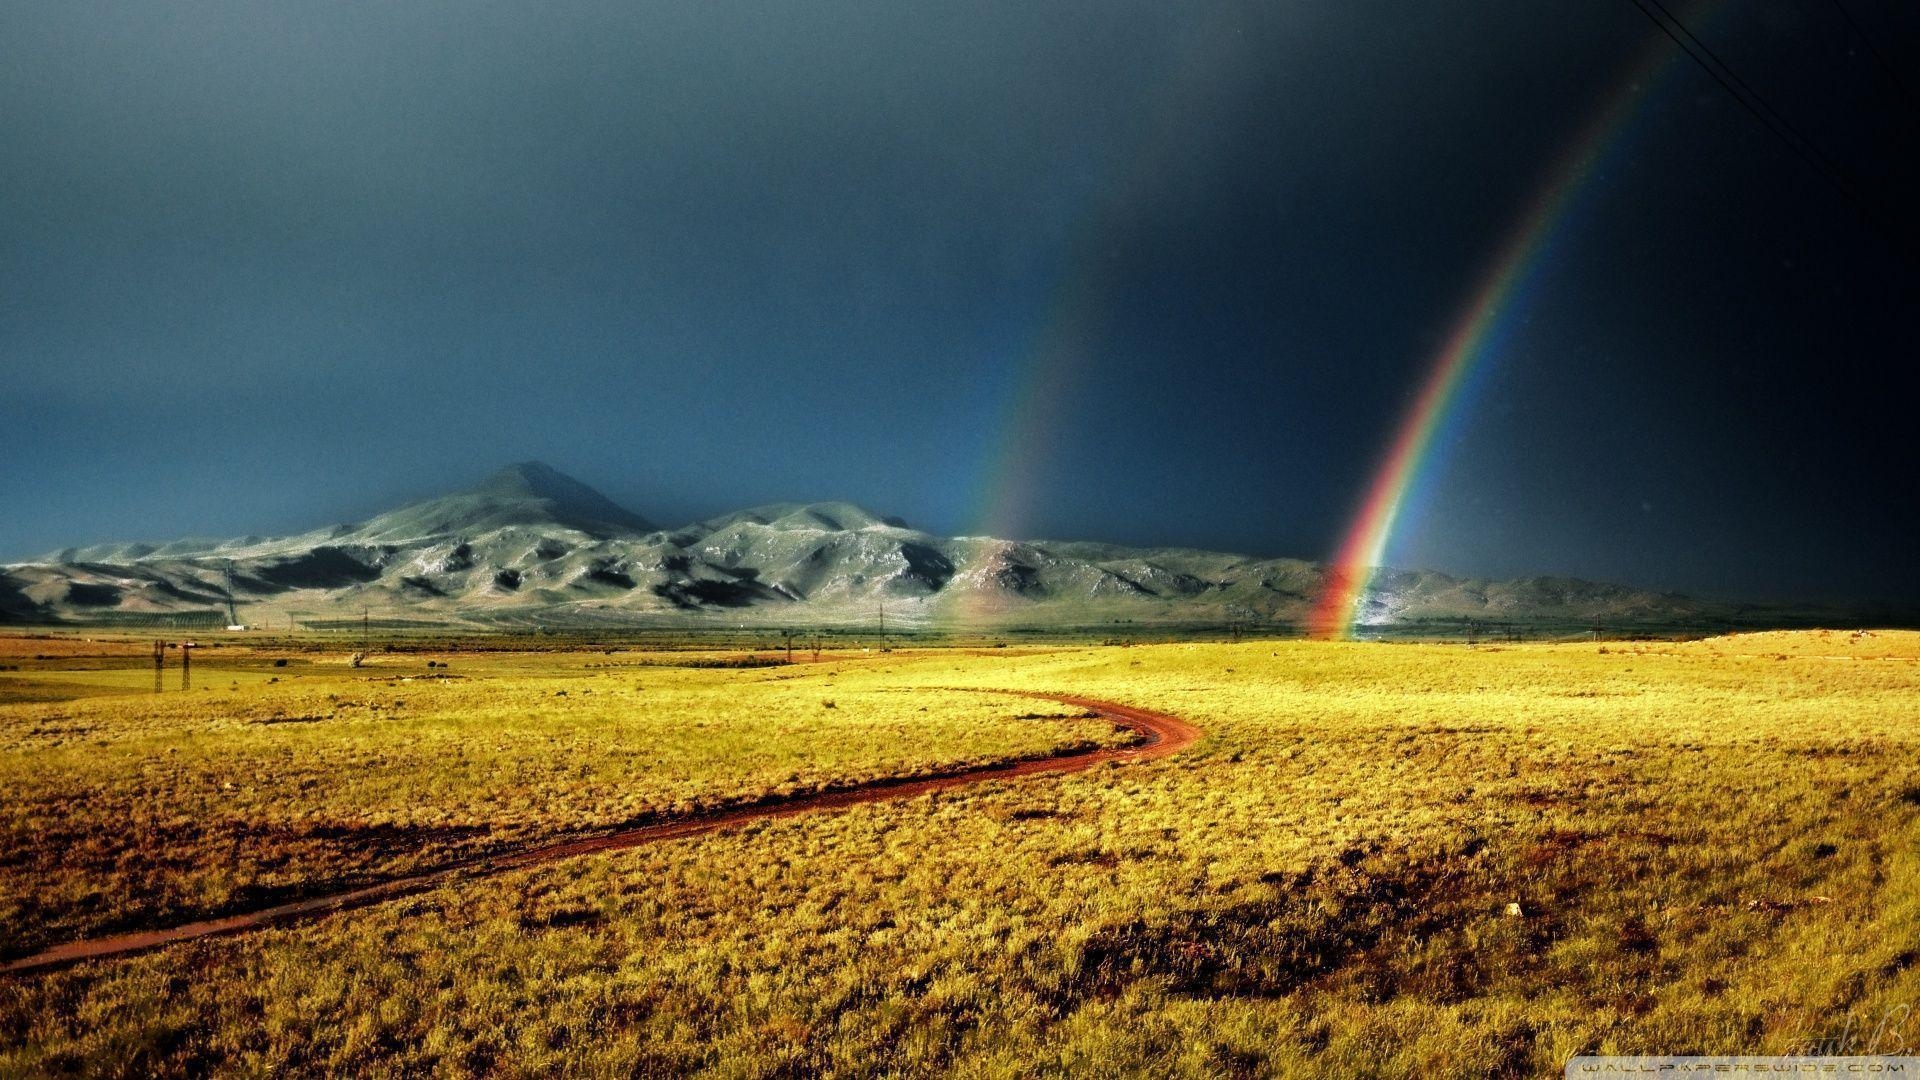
(1159, 736)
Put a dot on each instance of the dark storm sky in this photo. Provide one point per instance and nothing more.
(269, 265)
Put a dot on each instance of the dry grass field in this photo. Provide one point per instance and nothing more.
(1382, 859)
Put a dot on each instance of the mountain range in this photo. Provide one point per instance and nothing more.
(532, 546)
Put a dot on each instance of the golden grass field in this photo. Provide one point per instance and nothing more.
(1711, 846)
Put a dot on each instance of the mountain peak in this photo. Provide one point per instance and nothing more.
(823, 516)
(532, 479)
(527, 493)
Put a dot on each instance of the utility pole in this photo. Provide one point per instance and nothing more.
(366, 629)
(233, 617)
(883, 624)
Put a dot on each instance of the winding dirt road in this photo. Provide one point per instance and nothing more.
(1159, 736)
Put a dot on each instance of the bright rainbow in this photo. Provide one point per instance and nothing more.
(1475, 335)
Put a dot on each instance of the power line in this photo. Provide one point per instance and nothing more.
(1892, 228)
(1750, 91)
(1892, 73)
(1749, 100)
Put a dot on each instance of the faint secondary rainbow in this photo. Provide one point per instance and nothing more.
(1475, 335)
(1049, 367)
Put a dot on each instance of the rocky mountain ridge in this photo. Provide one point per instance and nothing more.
(531, 545)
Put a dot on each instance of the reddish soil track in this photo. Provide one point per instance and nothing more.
(1159, 735)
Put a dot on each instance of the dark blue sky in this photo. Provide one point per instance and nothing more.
(265, 266)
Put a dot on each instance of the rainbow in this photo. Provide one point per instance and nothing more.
(1476, 334)
(1050, 368)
